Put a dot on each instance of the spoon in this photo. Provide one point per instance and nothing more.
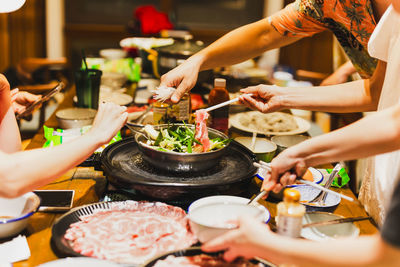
(133, 128)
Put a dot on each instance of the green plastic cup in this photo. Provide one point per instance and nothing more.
(87, 83)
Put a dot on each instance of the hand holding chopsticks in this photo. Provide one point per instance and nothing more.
(264, 165)
(223, 104)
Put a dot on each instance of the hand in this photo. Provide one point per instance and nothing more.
(108, 121)
(265, 98)
(248, 241)
(21, 100)
(285, 168)
(183, 77)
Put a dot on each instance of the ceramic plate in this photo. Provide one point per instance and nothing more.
(235, 121)
(333, 231)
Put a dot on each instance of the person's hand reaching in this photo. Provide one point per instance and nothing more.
(285, 168)
(247, 241)
(108, 121)
(265, 98)
(183, 78)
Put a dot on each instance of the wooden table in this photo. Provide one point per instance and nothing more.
(89, 185)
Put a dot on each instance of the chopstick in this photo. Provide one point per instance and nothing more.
(223, 104)
(336, 221)
(267, 166)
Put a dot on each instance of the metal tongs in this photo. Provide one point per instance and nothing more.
(265, 165)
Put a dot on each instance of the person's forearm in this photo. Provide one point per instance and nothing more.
(342, 98)
(34, 168)
(241, 44)
(363, 251)
(374, 134)
(10, 138)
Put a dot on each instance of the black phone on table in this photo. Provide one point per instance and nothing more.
(55, 200)
(46, 97)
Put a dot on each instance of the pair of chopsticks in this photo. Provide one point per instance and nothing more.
(265, 165)
(223, 104)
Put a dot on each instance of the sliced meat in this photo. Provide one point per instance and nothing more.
(201, 129)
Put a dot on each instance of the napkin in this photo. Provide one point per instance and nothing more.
(14, 250)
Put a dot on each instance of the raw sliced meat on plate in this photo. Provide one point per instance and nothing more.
(131, 232)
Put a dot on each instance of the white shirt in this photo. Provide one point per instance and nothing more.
(382, 171)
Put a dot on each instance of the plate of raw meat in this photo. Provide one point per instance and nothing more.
(126, 232)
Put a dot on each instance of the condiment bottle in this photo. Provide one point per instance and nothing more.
(160, 111)
(178, 112)
(290, 214)
(168, 112)
(219, 117)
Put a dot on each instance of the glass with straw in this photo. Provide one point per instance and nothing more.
(87, 83)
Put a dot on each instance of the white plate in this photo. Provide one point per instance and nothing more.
(317, 175)
(148, 118)
(327, 232)
(79, 262)
(303, 125)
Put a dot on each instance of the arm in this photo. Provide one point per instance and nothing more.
(24, 171)
(236, 46)
(374, 134)
(254, 239)
(357, 96)
(341, 75)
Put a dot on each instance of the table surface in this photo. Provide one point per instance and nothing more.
(89, 185)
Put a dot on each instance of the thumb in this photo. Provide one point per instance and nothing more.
(180, 91)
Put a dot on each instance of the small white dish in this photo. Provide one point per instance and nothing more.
(210, 221)
(308, 193)
(75, 117)
(226, 199)
(263, 148)
(14, 213)
(326, 232)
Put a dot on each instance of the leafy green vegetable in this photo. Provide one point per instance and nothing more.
(182, 139)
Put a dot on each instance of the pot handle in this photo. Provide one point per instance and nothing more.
(93, 161)
(153, 56)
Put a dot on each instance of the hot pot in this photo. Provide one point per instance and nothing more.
(181, 162)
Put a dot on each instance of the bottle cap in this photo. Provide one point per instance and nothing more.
(219, 82)
(291, 195)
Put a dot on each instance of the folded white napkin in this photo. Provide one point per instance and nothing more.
(14, 250)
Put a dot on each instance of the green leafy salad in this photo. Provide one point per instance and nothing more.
(180, 138)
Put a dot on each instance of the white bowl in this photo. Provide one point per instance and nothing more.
(263, 148)
(226, 199)
(327, 232)
(14, 213)
(75, 117)
(210, 221)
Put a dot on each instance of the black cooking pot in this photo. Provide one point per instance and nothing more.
(181, 162)
(166, 58)
(125, 168)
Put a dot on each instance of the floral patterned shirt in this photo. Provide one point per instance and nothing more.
(351, 21)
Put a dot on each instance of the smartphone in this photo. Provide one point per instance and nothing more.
(55, 200)
(46, 97)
